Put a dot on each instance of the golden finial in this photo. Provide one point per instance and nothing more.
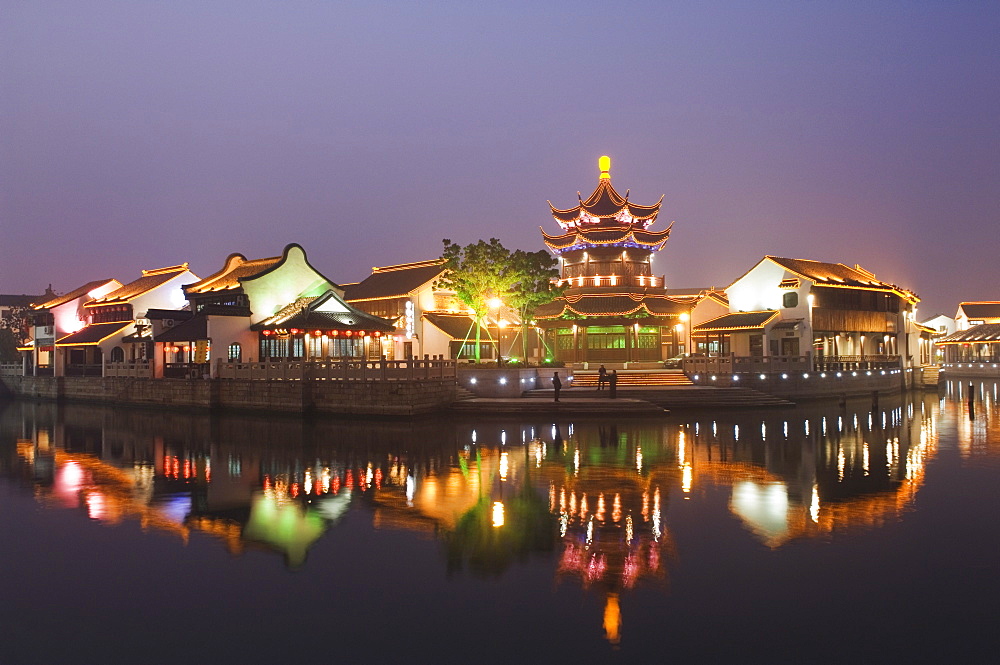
(604, 163)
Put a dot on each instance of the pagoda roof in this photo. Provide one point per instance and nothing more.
(150, 280)
(611, 304)
(607, 235)
(307, 313)
(394, 281)
(605, 205)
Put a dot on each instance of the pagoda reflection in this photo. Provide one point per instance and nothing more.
(590, 497)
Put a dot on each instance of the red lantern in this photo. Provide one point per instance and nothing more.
(295, 331)
(317, 333)
(348, 333)
(267, 333)
(334, 333)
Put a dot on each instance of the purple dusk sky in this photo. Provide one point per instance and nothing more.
(142, 134)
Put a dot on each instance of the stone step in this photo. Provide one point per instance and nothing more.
(661, 378)
(695, 397)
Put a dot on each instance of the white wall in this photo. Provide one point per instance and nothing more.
(292, 279)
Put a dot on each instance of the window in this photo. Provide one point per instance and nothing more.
(117, 354)
(235, 353)
(790, 299)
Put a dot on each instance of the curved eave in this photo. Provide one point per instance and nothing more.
(652, 240)
(604, 203)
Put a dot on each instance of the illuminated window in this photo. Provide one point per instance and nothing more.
(235, 353)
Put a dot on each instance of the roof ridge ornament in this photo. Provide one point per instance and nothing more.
(604, 164)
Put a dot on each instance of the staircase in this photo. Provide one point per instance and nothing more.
(930, 375)
(462, 394)
(667, 377)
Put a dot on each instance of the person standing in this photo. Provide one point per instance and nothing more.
(556, 385)
(613, 384)
(602, 377)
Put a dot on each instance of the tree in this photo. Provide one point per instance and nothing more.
(14, 332)
(477, 273)
(535, 272)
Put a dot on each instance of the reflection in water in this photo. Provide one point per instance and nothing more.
(592, 497)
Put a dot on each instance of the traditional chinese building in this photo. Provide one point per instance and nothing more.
(614, 310)
(116, 320)
(429, 319)
(275, 308)
(827, 314)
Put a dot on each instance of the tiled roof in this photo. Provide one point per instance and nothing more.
(394, 281)
(608, 235)
(457, 326)
(831, 274)
(191, 330)
(74, 294)
(981, 334)
(237, 267)
(604, 203)
(302, 314)
(738, 321)
(611, 305)
(150, 280)
(176, 314)
(981, 310)
(9, 300)
(93, 334)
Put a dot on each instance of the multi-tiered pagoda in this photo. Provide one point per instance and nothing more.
(614, 309)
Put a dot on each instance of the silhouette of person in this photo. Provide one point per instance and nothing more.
(602, 376)
(556, 385)
(613, 383)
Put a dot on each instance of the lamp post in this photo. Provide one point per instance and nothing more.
(685, 336)
(495, 304)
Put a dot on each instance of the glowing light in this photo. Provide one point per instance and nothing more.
(497, 514)
(503, 466)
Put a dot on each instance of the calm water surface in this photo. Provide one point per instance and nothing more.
(816, 534)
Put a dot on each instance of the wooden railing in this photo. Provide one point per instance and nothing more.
(338, 370)
(141, 369)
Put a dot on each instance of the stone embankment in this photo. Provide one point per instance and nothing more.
(352, 398)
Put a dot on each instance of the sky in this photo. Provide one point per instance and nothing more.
(143, 134)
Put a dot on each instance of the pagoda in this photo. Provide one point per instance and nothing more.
(614, 309)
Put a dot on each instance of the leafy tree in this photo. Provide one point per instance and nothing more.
(8, 346)
(534, 286)
(14, 328)
(477, 273)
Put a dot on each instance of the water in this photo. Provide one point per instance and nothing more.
(816, 534)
